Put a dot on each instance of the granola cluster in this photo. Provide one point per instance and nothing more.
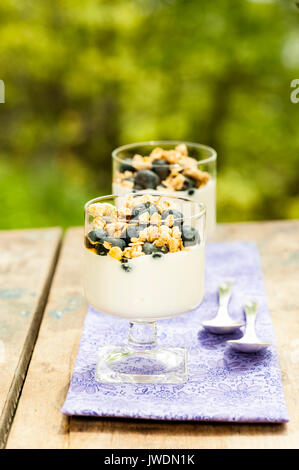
(164, 170)
(141, 225)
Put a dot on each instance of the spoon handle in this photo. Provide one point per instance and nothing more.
(251, 310)
(225, 290)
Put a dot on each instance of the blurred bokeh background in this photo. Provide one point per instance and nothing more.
(84, 76)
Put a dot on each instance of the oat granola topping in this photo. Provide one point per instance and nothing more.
(99, 209)
(170, 170)
(98, 222)
(116, 253)
(158, 228)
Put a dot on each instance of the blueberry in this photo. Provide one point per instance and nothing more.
(137, 188)
(133, 231)
(116, 241)
(190, 235)
(151, 209)
(157, 255)
(144, 207)
(101, 250)
(161, 168)
(126, 267)
(140, 225)
(189, 183)
(96, 236)
(146, 179)
(126, 165)
(139, 209)
(149, 248)
(191, 192)
(176, 214)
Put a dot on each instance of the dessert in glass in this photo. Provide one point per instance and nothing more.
(183, 168)
(144, 261)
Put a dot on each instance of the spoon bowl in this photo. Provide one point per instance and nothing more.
(250, 342)
(226, 328)
(247, 347)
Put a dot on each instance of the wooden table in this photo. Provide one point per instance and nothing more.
(38, 422)
(27, 261)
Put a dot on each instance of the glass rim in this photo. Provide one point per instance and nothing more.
(212, 158)
(201, 205)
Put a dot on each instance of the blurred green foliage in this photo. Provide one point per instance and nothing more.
(84, 76)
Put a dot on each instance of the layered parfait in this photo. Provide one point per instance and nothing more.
(144, 255)
(187, 170)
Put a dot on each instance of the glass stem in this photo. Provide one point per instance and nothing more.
(142, 336)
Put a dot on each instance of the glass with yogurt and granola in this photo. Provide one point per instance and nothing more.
(183, 168)
(144, 261)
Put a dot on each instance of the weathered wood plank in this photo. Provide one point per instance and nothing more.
(27, 261)
(39, 422)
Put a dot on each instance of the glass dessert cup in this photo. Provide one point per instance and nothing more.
(144, 261)
(144, 167)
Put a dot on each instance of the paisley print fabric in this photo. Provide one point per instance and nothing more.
(223, 385)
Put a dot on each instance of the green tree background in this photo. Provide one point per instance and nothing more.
(84, 76)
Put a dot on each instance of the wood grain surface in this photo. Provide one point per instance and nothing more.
(39, 423)
(27, 262)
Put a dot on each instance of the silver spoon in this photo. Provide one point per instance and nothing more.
(223, 323)
(250, 341)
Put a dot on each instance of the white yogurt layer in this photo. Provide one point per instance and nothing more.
(155, 288)
(206, 195)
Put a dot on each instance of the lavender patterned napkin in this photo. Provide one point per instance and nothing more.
(223, 385)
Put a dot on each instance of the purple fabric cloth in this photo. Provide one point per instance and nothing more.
(223, 385)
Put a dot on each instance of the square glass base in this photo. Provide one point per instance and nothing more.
(157, 365)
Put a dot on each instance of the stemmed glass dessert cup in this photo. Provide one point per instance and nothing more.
(186, 169)
(144, 261)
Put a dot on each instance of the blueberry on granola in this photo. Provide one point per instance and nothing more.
(151, 209)
(120, 242)
(133, 231)
(189, 183)
(136, 188)
(161, 168)
(148, 248)
(97, 236)
(143, 207)
(146, 179)
(139, 209)
(190, 235)
(178, 216)
(126, 165)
